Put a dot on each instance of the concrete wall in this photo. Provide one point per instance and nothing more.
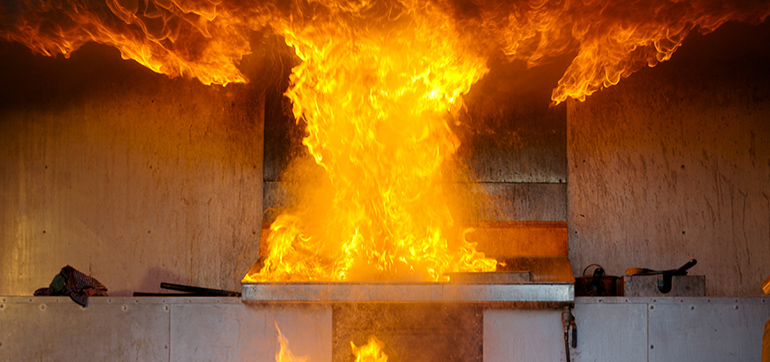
(674, 163)
(124, 174)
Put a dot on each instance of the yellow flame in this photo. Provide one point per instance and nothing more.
(371, 352)
(376, 94)
(284, 354)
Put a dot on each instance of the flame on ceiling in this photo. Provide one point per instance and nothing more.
(206, 39)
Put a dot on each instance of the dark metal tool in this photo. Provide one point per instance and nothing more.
(200, 291)
(189, 291)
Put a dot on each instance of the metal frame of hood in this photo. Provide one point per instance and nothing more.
(425, 292)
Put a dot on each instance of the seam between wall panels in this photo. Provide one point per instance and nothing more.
(169, 333)
(647, 322)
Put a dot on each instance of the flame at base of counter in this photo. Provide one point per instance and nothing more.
(284, 354)
(371, 352)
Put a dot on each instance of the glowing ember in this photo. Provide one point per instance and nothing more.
(378, 85)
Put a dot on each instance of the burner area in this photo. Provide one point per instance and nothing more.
(540, 273)
(443, 321)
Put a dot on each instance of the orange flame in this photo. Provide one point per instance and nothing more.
(375, 92)
(610, 39)
(371, 352)
(201, 39)
(206, 39)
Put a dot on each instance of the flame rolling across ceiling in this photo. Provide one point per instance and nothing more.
(378, 85)
(189, 38)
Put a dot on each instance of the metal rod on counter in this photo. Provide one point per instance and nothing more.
(148, 294)
(200, 291)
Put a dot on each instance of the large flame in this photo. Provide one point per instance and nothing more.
(376, 87)
(378, 83)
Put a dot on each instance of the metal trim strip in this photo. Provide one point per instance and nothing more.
(407, 292)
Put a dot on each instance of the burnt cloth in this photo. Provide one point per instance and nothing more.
(75, 284)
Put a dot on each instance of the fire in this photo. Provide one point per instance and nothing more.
(610, 39)
(379, 84)
(206, 39)
(197, 39)
(371, 352)
(284, 354)
(376, 95)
